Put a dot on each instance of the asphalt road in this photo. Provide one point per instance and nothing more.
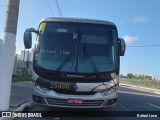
(130, 99)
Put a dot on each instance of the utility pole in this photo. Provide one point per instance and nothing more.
(8, 53)
(0, 46)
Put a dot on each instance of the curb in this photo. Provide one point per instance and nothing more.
(19, 108)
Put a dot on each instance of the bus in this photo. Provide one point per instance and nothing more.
(76, 62)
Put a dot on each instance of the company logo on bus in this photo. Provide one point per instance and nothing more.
(73, 68)
(76, 87)
(75, 76)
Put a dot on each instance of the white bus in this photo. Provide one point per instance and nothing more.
(76, 62)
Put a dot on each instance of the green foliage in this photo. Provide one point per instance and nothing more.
(130, 75)
(20, 78)
(135, 77)
(144, 83)
(140, 77)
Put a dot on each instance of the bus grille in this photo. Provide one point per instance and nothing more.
(64, 102)
(74, 92)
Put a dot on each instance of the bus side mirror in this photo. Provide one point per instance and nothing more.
(27, 38)
(122, 46)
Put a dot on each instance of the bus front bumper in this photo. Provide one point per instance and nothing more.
(61, 100)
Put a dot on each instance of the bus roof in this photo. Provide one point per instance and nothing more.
(77, 20)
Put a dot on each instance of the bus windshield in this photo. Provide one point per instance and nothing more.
(76, 47)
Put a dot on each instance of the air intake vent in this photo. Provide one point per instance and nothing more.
(64, 102)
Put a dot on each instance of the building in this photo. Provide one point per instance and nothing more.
(18, 57)
(25, 55)
(23, 63)
(149, 77)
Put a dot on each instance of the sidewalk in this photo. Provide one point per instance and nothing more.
(20, 99)
(21, 92)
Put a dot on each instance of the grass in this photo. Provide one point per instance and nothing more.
(20, 78)
(144, 83)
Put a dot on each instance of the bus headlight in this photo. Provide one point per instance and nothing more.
(110, 90)
(40, 88)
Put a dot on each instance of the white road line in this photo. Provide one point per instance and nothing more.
(124, 107)
(140, 88)
(157, 92)
(153, 105)
(139, 94)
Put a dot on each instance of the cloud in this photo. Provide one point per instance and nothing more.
(130, 39)
(140, 19)
(125, 21)
(136, 19)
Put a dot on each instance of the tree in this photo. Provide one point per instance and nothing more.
(130, 75)
(140, 76)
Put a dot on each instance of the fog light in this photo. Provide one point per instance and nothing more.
(112, 101)
(37, 99)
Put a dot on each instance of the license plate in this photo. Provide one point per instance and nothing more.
(75, 101)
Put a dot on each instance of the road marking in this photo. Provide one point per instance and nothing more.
(124, 107)
(153, 105)
(157, 92)
(140, 88)
(139, 94)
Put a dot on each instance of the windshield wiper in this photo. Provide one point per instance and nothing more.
(93, 64)
(61, 65)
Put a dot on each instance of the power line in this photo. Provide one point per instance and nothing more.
(145, 46)
(59, 10)
(50, 8)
